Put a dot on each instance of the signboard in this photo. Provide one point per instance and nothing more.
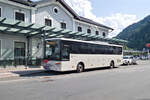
(148, 45)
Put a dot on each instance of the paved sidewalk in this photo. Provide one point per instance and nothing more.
(17, 72)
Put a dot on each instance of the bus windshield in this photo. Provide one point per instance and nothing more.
(52, 50)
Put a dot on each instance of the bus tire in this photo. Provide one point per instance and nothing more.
(80, 68)
(112, 64)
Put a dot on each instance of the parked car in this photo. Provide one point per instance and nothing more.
(144, 58)
(129, 60)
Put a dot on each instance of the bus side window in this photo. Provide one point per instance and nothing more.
(65, 52)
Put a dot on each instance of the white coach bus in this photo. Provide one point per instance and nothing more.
(69, 54)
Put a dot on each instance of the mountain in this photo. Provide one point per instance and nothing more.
(137, 34)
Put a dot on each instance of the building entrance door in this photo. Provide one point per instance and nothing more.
(19, 53)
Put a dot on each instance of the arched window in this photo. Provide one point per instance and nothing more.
(89, 31)
(97, 32)
(48, 22)
(79, 29)
(104, 34)
(63, 25)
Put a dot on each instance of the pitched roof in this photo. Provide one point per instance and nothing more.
(24, 2)
(76, 16)
(93, 22)
(65, 5)
(42, 1)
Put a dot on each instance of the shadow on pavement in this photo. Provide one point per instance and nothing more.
(129, 64)
(27, 72)
(55, 73)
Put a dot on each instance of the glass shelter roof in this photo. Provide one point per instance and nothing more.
(9, 26)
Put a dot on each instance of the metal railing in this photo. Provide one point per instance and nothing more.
(21, 61)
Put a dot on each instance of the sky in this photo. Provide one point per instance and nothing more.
(117, 14)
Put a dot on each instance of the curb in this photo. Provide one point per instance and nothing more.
(12, 74)
(8, 75)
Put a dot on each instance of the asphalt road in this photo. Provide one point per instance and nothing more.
(123, 83)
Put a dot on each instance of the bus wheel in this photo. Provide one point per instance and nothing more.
(80, 68)
(112, 64)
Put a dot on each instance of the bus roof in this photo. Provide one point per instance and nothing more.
(92, 42)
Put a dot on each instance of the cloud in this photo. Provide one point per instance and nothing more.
(118, 21)
(82, 7)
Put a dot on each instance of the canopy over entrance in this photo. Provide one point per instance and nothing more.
(9, 26)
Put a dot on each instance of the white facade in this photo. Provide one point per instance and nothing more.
(43, 11)
(37, 14)
(8, 11)
(47, 12)
(93, 28)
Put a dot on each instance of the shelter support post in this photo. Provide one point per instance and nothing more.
(44, 45)
(28, 50)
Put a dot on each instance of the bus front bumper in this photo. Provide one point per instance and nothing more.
(53, 67)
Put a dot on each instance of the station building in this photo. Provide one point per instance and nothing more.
(24, 26)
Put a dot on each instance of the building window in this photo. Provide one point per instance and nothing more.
(0, 12)
(19, 49)
(79, 29)
(48, 22)
(0, 48)
(19, 16)
(104, 34)
(56, 10)
(89, 31)
(63, 25)
(97, 32)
